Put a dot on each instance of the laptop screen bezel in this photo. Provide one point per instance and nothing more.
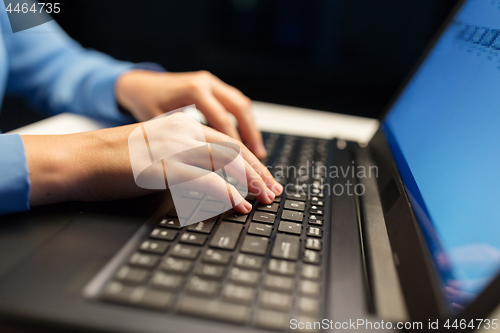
(419, 277)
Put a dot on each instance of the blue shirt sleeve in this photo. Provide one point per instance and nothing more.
(14, 179)
(54, 73)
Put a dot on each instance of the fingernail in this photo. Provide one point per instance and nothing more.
(277, 188)
(248, 206)
(270, 195)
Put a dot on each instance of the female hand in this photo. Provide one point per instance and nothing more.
(149, 94)
(96, 166)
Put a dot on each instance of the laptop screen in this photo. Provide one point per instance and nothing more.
(444, 132)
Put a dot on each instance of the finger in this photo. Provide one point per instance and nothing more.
(225, 157)
(217, 115)
(240, 106)
(200, 180)
(213, 136)
(255, 183)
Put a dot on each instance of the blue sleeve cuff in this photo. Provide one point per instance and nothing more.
(14, 175)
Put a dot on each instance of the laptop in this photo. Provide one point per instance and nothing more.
(401, 233)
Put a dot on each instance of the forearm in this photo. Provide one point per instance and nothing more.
(50, 165)
(92, 166)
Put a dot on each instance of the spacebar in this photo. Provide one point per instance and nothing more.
(213, 310)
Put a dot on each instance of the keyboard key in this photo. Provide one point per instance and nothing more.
(132, 275)
(260, 229)
(194, 239)
(249, 262)
(239, 294)
(313, 219)
(275, 301)
(232, 216)
(231, 180)
(117, 292)
(290, 227)
(299, 187)
(317, 184)
(272, 208)
(271, 320)
(213, 207)
(317, 201)
(209, 271)
(316, 210)
(292, 216)
(264, 217)
(282, 267)
(226, 236)
(250, 197)
(281, 283)
(185, 252)
(138, 296)
(310, 272)
(307, 305)
(142, 260)
(317, 192)
(167, 281)
(312, 257)
(319, 177)
(295, 205)
(177, 266)
(314, 231)
(302, 179)
(245, 277)
(313, 244)
(156, 300)
(297, 196)
(277, 199)
(186, 209)
(309, 288)
(255, 245)
(202, 287)
(286, 247)
(163, 234)
(170, 222)
(216, 310)
(211, 198)
(155, 247)
(205, 227)
(193, 195)
(217, 257)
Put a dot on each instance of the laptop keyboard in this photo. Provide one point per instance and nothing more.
(260, 269)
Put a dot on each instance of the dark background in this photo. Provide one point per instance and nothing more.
(346, 56)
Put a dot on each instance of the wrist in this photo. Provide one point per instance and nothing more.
(101, 168)
(50, 169)
(125, 90)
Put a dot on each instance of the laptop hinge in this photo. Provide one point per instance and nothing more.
(387, 296)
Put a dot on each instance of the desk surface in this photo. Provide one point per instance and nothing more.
(269, 117)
